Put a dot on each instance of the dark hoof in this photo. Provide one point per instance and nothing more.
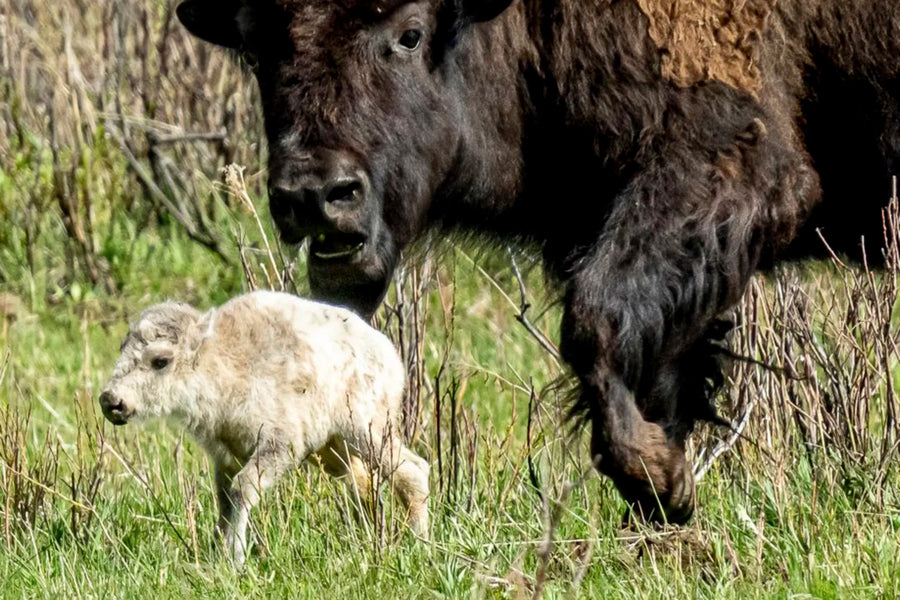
(671, 515)
(649, 470)
(673, 507)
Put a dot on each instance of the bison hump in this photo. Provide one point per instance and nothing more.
(701, 40)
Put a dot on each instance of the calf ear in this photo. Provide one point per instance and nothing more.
(214, 21)
(200, 331)
(476, 11)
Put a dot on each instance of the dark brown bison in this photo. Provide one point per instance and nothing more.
(658, 152)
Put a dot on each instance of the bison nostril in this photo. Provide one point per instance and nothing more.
(344, 191)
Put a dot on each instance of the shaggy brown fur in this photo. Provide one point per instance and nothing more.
(658, 152)
(702, 40)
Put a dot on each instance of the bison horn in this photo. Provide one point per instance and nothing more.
(214, 21)
(476, 11)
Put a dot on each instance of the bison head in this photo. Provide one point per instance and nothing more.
(361, 130)
(156, 355)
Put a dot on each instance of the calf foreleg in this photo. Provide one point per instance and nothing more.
(239, 494)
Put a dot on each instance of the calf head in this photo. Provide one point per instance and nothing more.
(155, 357)
(360, 117)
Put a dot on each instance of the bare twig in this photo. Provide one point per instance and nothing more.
(146, 484)
(189, 224)
(554, 514)
(234, 180)
(176, 138)
(532, 471)
(524, 305)
(737, 430)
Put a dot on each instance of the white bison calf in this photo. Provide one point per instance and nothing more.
(263, 382)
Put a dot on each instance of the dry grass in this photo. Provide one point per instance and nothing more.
(113, 108)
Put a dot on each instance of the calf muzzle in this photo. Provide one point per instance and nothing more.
(114, 408)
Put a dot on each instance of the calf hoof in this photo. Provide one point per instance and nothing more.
(418, 520)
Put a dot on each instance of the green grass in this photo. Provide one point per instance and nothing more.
(87, 510)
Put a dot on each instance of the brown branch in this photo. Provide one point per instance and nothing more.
(157, 139)
(522, 317)
(154, 191)
(554, 515)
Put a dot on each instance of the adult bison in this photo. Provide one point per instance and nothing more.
(658, 152)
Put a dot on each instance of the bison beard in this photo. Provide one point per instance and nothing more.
(658, 153)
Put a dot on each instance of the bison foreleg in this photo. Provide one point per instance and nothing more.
(647, 466)
(639, 309)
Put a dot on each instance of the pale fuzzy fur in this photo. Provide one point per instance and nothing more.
(265, 381)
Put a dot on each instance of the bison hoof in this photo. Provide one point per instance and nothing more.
(674, 507)
(663, 515)
(652, 475)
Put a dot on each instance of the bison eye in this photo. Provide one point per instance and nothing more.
(411, 39)
(250, 59)
(160, 363)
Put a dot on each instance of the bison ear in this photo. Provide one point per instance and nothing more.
(476, 11)
(214, 21)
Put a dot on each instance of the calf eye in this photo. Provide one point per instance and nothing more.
(411, 39)
(160, 363)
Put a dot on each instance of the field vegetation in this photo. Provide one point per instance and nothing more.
(118, 140)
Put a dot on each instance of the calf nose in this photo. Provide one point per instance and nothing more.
(109, 401)
(114, 408)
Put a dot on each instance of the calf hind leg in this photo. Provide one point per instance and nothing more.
(339, 462)
(410, 482)
(408, 475)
